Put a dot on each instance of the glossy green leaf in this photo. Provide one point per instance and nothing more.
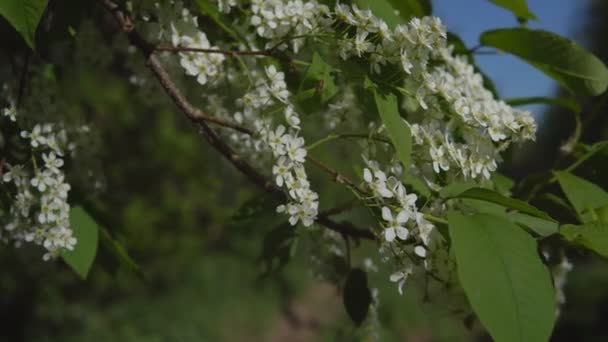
(503, 277)
(518, 7)
(593, 236)
(357, 296)
(86, 232)
(574, 67)
(553, 101)
(24, 16)
(582, 194)
(398, 130)
(494, 197)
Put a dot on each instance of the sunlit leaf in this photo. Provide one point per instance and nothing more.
(574, 67)
(505, 281)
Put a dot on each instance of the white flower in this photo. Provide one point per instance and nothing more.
(36, 137)
(401, 277)
(10, 113)
(377, 185)
(282, 170)
(303, 213)
(293, 148)
(395, 224)
(276, 140)
(51, 162)
(420, 251)
(42, 180)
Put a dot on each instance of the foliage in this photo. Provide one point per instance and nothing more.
(370, 130)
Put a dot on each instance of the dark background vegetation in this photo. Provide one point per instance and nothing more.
(172, 201)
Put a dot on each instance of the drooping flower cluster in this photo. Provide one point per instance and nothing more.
(205, 67)
(39, 212)
(287, 147)
(456, 123)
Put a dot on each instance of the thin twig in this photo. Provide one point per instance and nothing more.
(233, 53)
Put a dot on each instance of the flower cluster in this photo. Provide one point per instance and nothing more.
(205, 67)
(457, 124)
(288, 150)
(401, 218)
(39, 212)
(458, 128)
(275, 20)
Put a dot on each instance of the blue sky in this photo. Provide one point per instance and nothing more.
(513, 78)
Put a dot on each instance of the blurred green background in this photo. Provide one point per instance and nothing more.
(175, 204)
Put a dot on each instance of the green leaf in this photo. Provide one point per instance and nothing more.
(24, 16)
(540, 226)
(495, 197)
(210, 9)
(584, 196)
(503, 277)
(502, 183)
(565, 103)
(593, 236)
(398, 130)
(86, 232)
(319, 77)
(574, 67)
(396, 12)
(518, 7)
(357, 296)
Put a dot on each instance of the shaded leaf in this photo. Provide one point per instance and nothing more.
(503, 277)
(278, 249)
(398, 130)
(592, 235)
(569, 104)
(86, 232)
(210, 9)
(495, 197)
(357, 296)
(118, 251)
(24, 16)
(584, 196)
(540, 226)
(319, 78)
(574, 67)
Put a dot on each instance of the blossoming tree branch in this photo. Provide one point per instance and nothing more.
(274, 85)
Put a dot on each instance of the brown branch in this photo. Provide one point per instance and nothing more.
(232, 53)
(197, 116)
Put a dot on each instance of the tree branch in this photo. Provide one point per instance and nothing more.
(177, 49)
(200, 118)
